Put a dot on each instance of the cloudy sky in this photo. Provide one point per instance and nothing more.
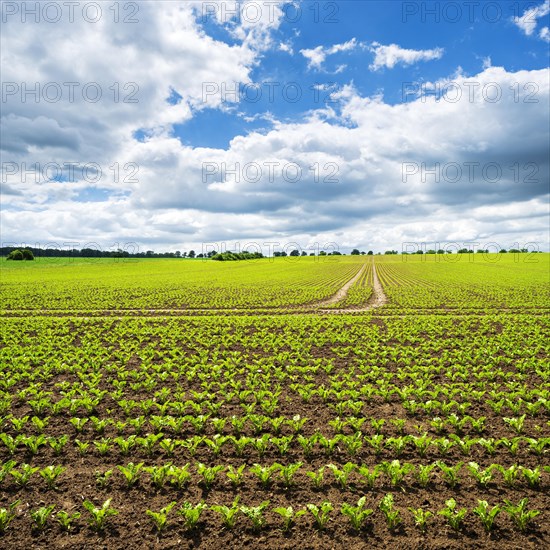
(361, 123)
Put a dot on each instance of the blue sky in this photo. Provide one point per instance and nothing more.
(469, 34)
(364, 137)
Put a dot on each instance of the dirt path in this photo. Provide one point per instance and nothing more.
(342, 293)
(378, 297)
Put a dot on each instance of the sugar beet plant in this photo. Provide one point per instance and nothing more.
(7, 515)
(99, 515)
(160, 518)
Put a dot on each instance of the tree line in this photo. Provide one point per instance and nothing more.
(30, 253)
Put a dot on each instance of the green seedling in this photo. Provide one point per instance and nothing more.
(393, 517)
(99, 516)
(455, 516)
(289, 516)
(519, 513)
(357, 514)
(160, 518)
(486, 515)
(41, 516)
(421, 518)
(191, 514)
(7, 515)
(229, 514)
(65, 519)
(321, 513)
(256, 514)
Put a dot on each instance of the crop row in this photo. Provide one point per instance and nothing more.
(357, 514)
(343, 396)
(249, 421)
(392, 473)
(289, 445)
(448, 413)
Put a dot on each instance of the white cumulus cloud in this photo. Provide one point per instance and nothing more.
(317, 56)
(527, 22)
(391, 55)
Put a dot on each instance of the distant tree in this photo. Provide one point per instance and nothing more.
(322, 253)
(304, 253)
(419, 252)
(90, 253)
(200, 255)
(363, 252)
(312, 253)
(463, 251)
(235, 256)
(191, 254)
(369, 253)
(15, 255)
(355, 252)
(440, 251)
(19, 255)
(336, 253)
(503, 251)
(295, 253)
(178, 254)
(430, 251)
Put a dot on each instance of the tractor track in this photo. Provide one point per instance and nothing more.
(377, 299)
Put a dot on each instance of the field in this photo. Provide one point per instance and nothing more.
(81, 285)
(338, 402)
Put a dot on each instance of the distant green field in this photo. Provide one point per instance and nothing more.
(461, 281)
(417, 282)
(81, 284)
